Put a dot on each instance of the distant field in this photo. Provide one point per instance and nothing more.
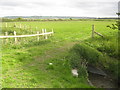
(64, 30)
(27, 64)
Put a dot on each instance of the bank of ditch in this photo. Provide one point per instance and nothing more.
(100, 53)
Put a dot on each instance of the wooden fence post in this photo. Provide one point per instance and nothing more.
(15, 37)
(42, 30)
(46, 34)
(93, 31)
(52, 31)
(43, 33)
(38, 38)
(6, 34)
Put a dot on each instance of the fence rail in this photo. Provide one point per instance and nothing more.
(26, 35)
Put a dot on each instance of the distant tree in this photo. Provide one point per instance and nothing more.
(70, 18)
(118, 14)
(19, 19)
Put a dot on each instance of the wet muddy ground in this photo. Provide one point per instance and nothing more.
(101, 81)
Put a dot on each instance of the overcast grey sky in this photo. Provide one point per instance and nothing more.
(90, 8)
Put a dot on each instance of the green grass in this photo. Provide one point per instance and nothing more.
(27, 64)
(100, 52)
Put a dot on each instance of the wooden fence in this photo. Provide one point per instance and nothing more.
(20, 26)
(44, 34)
(94, 32)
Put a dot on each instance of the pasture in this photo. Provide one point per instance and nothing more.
(26, 64)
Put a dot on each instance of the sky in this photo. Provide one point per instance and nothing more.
(89, 8)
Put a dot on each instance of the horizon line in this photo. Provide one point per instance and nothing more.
(61, 16)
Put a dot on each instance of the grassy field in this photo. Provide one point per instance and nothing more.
(27, 63)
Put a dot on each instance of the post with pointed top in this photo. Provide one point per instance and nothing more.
(93, 31)
(15, 37)
(38, 38)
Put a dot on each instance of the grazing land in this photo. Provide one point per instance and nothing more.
(26, 64)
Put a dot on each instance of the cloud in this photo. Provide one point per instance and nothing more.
(10, 3)
(59, 7)
(98, 8)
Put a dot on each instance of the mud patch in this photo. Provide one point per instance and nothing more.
(102, 81)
